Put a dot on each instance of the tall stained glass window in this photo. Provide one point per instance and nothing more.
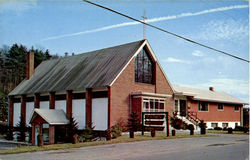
(143, 68)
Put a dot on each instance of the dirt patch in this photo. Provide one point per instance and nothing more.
(219, 144)
(242, 140)
(60, 152)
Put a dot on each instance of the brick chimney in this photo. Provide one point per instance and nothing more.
(30, 65)
(211, 88)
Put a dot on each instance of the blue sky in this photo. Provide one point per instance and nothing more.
(75, 26)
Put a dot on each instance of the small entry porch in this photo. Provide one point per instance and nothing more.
(182, 111)
(44, 123)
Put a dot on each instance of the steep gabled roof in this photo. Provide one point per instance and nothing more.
(88, 70)
(207, 95)
(51, 116)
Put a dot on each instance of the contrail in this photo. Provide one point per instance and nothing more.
(188, 14)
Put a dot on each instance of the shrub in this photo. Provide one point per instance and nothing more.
(244, 129)
(239, 128)
(178, 123)
(88, 133)
(218, 128)
(202, 124)
(230, 130)
(116, 131)
(3, 127)
(121, 123)
(190, 127)
(224, 129)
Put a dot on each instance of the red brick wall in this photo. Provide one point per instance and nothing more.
(163, 87)
(125, 84)
(213, 114)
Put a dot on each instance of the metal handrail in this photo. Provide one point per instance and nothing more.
(190, 115)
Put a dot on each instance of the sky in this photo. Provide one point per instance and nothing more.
(76, 27)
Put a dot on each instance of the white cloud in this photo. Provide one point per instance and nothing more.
(174, 60)
(16, 5)
(235, 87)
(224, 30)
(157, 19)
(197, 53)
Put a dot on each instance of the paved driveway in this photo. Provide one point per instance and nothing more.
(223, 147)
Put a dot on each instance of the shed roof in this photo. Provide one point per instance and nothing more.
(207, 95)
(89, 70)
(51, 116)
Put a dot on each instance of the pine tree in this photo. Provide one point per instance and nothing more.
(134, 122)
(72, 129)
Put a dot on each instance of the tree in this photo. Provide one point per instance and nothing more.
(134, 122)
(21, 130)
(72, 129)
(3, 106)
(13, 70)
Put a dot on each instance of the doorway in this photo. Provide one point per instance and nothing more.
(183, 108)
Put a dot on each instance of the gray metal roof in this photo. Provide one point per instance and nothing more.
(207, 95)
(52, 116)
(89, 70)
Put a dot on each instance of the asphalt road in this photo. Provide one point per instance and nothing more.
(222, 147)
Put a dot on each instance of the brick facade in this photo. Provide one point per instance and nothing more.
(125, 84)
(213, 114)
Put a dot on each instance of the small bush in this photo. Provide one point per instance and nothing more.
(218, 128)
(116, 131)
(202, 124)
(190, 127)
(224, 129)
(230, 130)
(178, 123)
(122, 124)
(239, 128)
(88, 133)
(246, 129)
(3, 127)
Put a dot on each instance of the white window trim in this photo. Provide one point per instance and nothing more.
(147, 99)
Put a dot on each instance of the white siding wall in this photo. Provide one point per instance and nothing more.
(61, 105)
(17, 113)
(79, 112)
(230, 124)
(44, 104)
(100, 113)
(29, 111)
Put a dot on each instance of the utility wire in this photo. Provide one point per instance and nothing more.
(176, 35)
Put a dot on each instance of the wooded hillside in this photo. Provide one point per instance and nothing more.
(13, 70)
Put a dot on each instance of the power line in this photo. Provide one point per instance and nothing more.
(176, 35)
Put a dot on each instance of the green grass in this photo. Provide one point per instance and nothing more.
(225, 132)
(121, 139)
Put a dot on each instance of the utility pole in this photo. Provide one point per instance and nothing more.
(144, 26)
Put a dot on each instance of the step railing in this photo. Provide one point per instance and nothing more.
(190, 115)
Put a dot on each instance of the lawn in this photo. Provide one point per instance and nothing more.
(122, 139)
(225, 132)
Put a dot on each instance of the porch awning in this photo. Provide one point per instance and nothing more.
(150, 94)
(51, 116)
